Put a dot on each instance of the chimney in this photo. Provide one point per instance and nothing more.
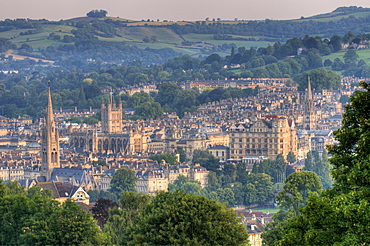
(262, 220)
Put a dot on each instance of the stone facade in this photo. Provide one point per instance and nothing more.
(266, 137)
(111, 138)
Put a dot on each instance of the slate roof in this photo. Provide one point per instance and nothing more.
(73, 175)
(60, 189)
(218, 147)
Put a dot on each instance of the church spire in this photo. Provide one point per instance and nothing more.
(310, 114)
(49, 111)
(50, 142)
(309, 91)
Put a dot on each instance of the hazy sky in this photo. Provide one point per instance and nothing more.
(173, 9)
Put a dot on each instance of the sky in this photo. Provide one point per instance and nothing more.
(173, 9)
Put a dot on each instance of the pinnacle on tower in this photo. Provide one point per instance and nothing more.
(309, 91)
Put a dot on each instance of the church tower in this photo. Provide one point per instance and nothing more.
(309, 122)
(50, 143)
(111, 116)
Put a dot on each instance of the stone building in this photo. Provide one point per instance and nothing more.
(266, 137)
(111, 138)
(221, 152)
(151, 181)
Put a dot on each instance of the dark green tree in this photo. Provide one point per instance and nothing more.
(66, 225)
(168, 158)
(139, 98)
(291, 158)
(321, 79)
(149, 110)
(297, 188)
(123, 180)
(182, 153)
(350, 56)
(278, 169)
(205, 159)
(294, 195)
(177, 218)
(337, 65)
(121, 220)
(213, 182)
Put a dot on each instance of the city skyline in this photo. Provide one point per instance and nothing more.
(173, 10)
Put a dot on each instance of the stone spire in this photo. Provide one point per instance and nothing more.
(309, 95)
(50, 142)
(309, 112)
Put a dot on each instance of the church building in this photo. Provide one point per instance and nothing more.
(110, 139)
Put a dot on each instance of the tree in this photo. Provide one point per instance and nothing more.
(132, 202)
(291, 157)
(226, 195)
(100, 210)
(177, 218)
(182, 153)
(336, 42)
(294, 195)
(121, 220)
(340, 215)
(32, 217)
(213, 182)
(139, 98)
(206, 160)
(241, 173)
(146, 39)
(296, 189)
(328, 63)
(278, 169)
(337, 65)
(261, 185)
(320, 166)
(97, 13)
(123, 180)
(61, 228)
(321, 79)
(149, 110)
(350, 56)
(167, 93)
(168, 158)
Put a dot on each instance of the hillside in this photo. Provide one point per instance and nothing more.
(155, 41)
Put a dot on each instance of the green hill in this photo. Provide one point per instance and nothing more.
(339, 13)
(195, 38)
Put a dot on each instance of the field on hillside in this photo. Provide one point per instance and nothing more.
(208, 38)
(164, 35)
(39, 39)
(363, 54)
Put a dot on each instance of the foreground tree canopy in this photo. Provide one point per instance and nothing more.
(33, 218)
(340, 216)
(177, 218)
